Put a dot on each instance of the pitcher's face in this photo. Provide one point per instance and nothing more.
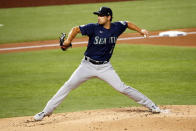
(102, 20)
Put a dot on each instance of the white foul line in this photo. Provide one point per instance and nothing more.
(77, 43)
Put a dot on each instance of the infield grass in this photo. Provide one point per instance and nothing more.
(46, 23)
(28, 80)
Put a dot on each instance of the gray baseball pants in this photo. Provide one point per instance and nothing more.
(86, 71)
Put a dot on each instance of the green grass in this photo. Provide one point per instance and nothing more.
(45, 23)
(28, 80)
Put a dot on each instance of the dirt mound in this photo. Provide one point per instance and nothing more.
(175, 118)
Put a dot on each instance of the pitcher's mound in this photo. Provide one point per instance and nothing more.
(173, 118)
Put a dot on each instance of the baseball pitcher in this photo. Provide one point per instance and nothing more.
(96, 61)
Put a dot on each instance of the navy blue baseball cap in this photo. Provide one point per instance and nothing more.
(104, 11)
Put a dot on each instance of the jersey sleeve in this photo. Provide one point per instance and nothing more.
(87, 29)
(122, 26)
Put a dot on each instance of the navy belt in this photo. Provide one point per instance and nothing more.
(94, 61)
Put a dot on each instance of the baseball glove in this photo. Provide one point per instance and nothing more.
(61, 41)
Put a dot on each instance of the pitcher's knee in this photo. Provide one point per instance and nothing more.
(124, 89)
(70, 85)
